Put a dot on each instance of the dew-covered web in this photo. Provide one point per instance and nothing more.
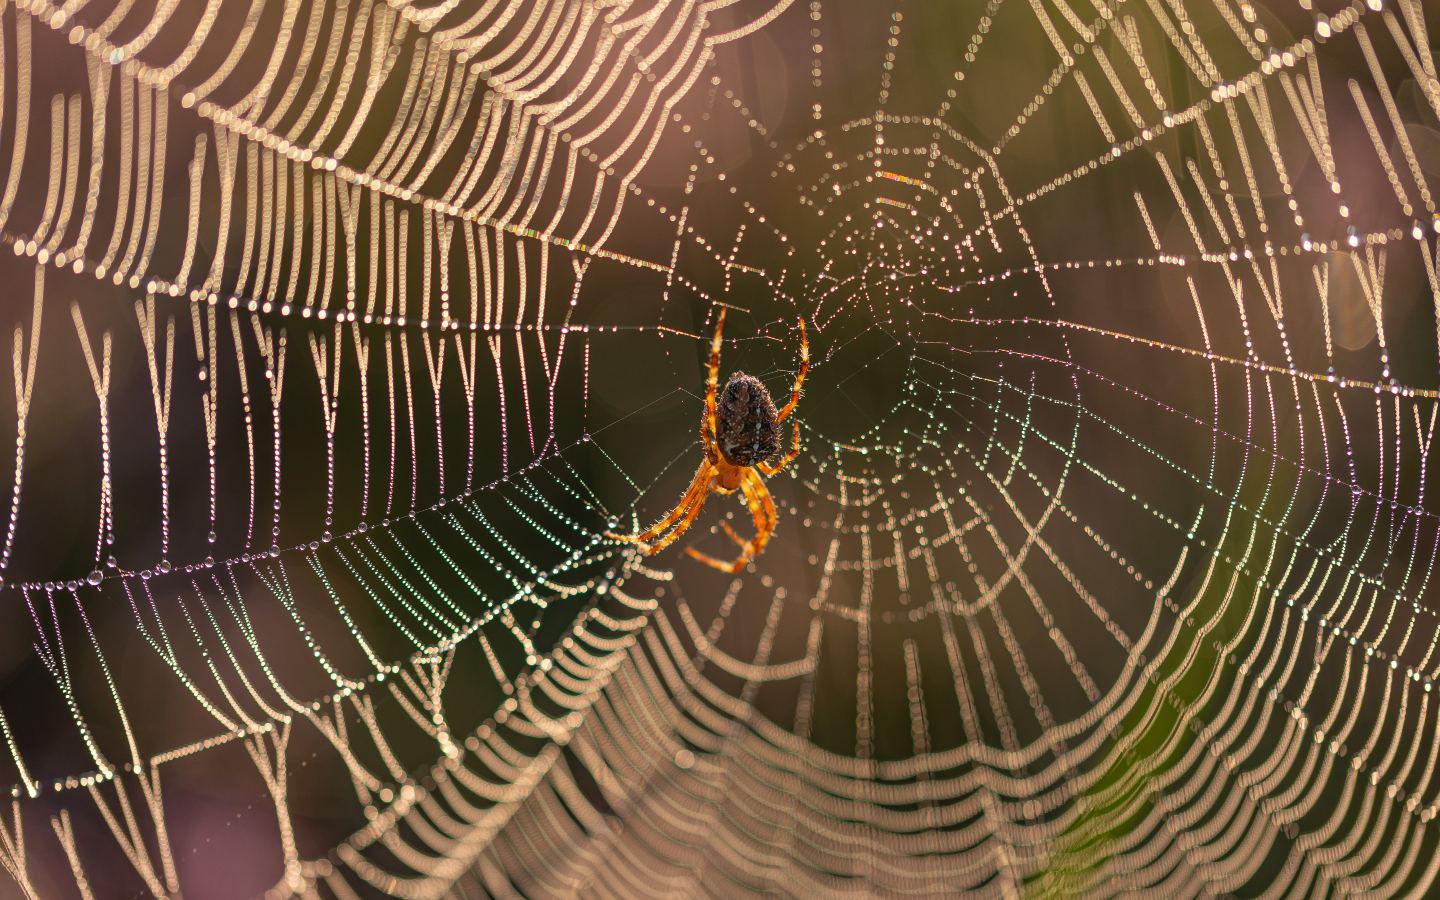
(343, 332)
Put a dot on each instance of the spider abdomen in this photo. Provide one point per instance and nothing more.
(746, 421)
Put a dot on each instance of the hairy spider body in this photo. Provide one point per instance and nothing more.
(747, 424)
(740, 431)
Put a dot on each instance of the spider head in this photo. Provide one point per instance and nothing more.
(746, 425)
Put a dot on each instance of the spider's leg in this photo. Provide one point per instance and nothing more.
(734, 535)
(799, 376)
(748, 549)
(762, 511)
(684, 524)
(767, 508)
(772, 517)
(732, 567)
(788, 458)
(699, 486)
(712, 377)
(707, 428)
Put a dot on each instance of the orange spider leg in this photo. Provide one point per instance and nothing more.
(712, 380)
(712, 453)
(734, 535)
(762, 511)
(768, 469)
(764, 514)
(681, 527)
(699, 486)
(799, 377)
(767, 506)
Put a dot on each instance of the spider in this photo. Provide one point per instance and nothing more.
(740, 431)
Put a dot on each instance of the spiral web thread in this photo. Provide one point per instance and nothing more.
(319, 363)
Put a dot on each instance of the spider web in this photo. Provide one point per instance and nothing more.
(343, 332)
